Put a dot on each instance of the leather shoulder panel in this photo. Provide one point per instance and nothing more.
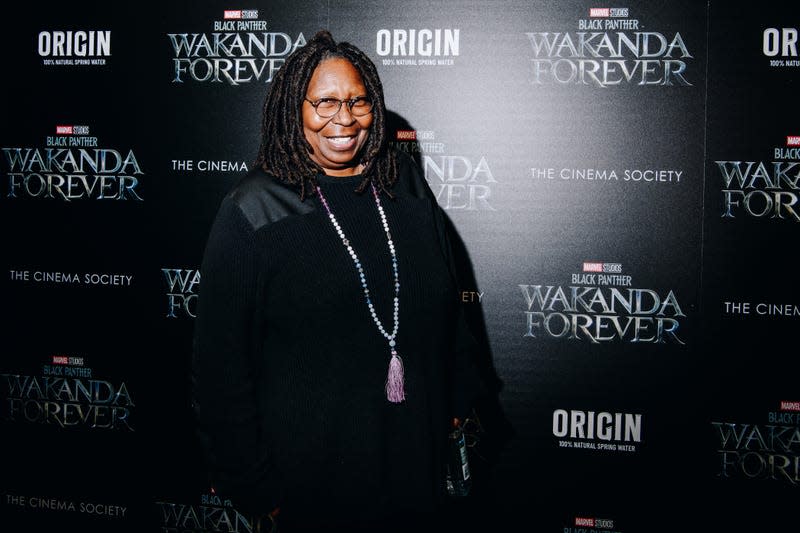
(263, 199)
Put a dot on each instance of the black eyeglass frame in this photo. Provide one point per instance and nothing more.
(350, 103)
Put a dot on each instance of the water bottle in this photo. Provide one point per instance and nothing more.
(458, 478)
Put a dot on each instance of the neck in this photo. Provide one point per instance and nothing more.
(345, 172)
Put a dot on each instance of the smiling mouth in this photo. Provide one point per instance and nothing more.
(342, 141)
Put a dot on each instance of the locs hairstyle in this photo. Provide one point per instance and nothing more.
(284, 150)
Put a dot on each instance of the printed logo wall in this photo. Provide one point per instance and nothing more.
(623, 189)
(750, 309)
(557, 139)
(216, 62)
(77, 181)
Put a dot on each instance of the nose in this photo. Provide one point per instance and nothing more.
(344, 117)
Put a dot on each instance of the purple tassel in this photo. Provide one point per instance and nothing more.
(395, 391)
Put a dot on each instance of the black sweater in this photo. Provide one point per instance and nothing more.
(289, 366)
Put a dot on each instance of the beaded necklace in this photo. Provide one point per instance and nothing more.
(395, 387)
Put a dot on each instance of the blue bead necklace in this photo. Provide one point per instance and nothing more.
(395, 386)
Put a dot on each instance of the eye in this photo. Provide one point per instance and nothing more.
(361, 103)
(360, 106)
(327, 104)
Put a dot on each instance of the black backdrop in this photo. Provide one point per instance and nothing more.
(623, 181)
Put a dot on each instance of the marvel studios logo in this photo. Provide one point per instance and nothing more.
(72, 130)
(414, 135)
(615, 268)
(601, 523)
(790, 406)
(65, 360)
(606, 12)
(793, 140)
(240, 14)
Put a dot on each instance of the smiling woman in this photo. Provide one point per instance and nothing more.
(316, 408)
(336, 132)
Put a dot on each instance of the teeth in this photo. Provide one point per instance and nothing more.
(340, 140)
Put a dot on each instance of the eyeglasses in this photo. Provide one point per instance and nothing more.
(328, 107)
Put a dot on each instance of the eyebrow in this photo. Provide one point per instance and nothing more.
(336, 98)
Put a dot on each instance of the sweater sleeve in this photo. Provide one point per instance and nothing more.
(223, 368)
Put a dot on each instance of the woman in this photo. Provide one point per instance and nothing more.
(330, 356)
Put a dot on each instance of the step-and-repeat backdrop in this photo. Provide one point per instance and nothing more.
(623, 180)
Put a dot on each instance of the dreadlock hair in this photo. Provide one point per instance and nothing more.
(284, 150)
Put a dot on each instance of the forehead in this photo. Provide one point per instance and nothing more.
(335, 73)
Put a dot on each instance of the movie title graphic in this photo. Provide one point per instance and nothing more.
(460, 182)
(780, 44)
(609, 51)
(71, 167)
(214, 514)
(66, 395)
(601, 306)
(601, 431)
(48, 503)
(238, 50)
(763, 189)
(74, 47)
(768, 451)
(418, 47)
(182, 287)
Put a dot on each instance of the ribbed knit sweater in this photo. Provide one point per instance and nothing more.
(289, 367)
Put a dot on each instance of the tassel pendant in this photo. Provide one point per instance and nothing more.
(395, 382)
(395, 385)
